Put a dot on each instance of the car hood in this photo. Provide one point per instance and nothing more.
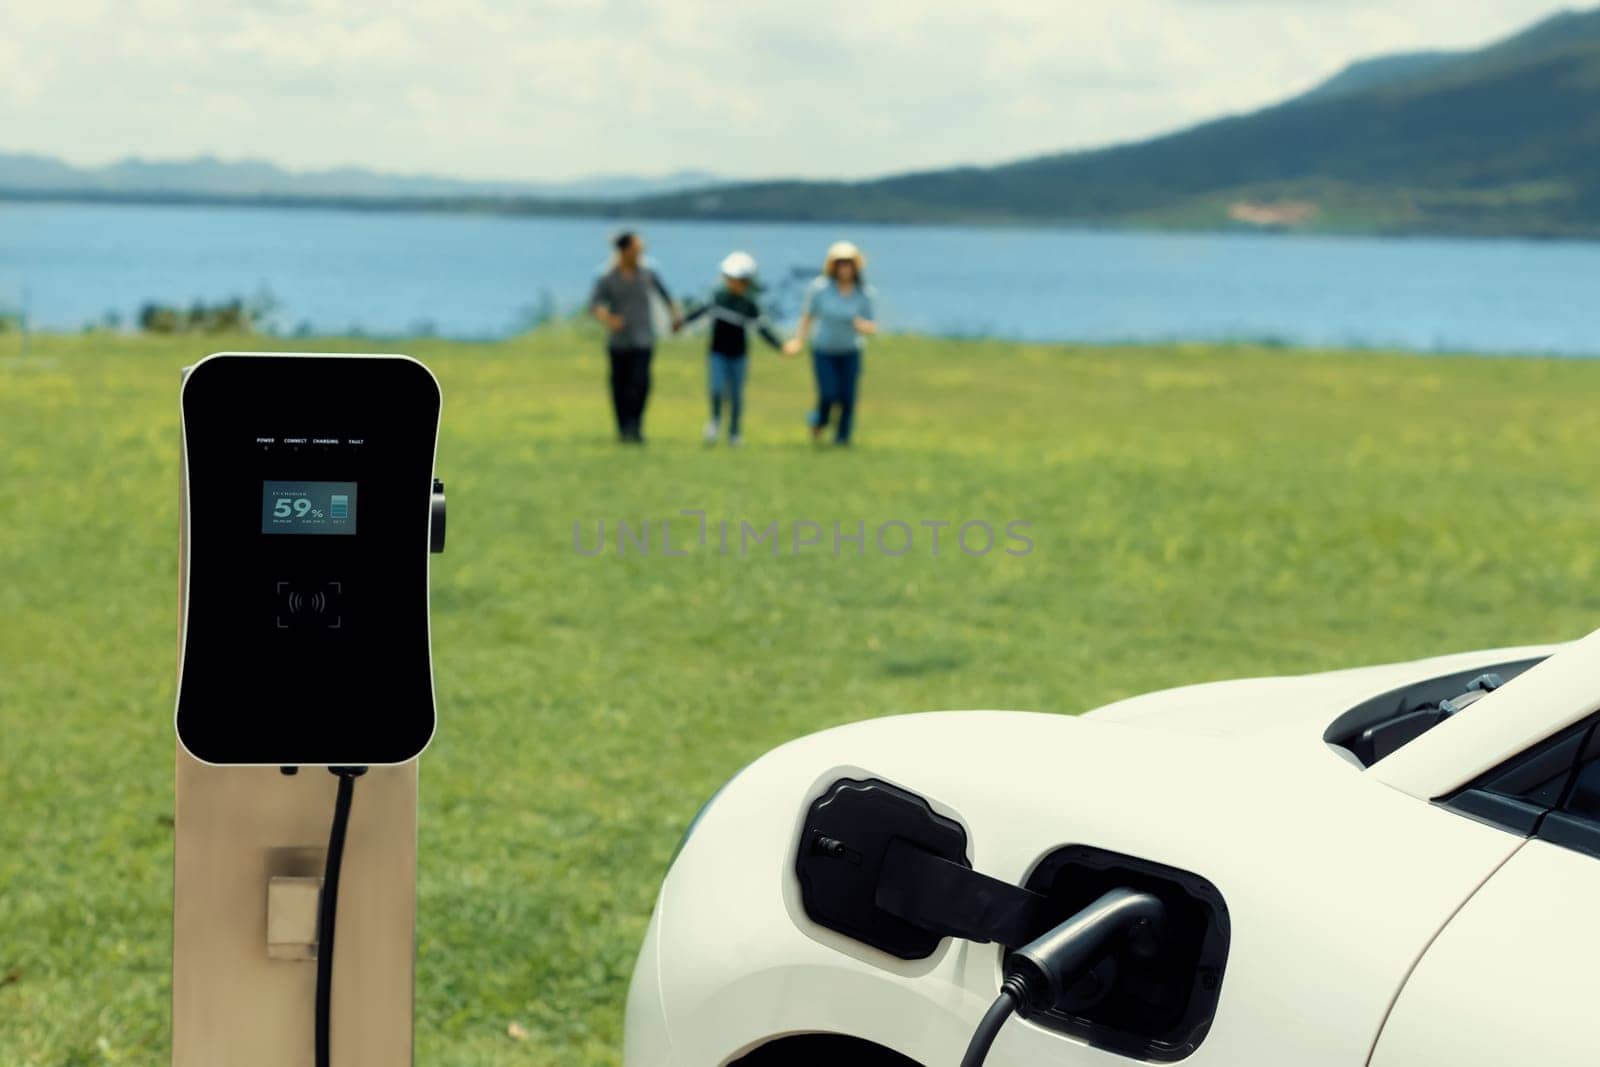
(1231, 781)
(1239, 707)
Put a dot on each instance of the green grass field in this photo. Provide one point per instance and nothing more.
(1197, 513)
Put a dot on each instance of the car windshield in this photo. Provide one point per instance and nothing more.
(1382, 725)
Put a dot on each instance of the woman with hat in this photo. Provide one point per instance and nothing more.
(838, 307)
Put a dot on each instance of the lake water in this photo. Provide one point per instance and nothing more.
(486, 276)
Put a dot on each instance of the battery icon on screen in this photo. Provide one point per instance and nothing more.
(339, 506)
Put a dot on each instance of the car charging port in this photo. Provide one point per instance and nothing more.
(1155, 998)
(876, 863)
(1039, 974)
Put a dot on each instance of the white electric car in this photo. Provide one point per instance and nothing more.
(1395, 865)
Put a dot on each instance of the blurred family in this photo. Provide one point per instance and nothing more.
(836, 315)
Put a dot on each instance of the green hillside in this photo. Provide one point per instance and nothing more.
(1502, 140)
(1384, 70)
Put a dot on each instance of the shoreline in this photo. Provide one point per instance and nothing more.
(580, 335)
(628, 211)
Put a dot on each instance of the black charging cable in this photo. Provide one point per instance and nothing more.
(1037, 974)
(327, 910)
(1013, 994)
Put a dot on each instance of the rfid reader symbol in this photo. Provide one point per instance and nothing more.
(318, 602)
(311, 608)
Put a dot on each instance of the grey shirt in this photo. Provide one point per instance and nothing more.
(630, 298)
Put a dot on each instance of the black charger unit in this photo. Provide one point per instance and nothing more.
(310, 510)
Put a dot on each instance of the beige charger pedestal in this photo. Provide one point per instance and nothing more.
(249, 849)
(247, 834)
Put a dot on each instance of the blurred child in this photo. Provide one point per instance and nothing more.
(734, 312)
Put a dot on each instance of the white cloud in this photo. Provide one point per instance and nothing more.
(565, 87)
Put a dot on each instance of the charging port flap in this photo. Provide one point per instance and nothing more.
(954, 900)
(878, 864)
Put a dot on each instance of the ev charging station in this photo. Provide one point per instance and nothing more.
(309, 513)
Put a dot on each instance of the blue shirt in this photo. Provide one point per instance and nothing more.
(833, 315)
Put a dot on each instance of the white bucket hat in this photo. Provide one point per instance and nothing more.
(739, 265)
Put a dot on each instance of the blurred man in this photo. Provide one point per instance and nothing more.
(621, 301)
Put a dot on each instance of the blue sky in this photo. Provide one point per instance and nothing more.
(561, 88)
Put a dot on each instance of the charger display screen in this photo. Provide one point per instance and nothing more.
(308, 507)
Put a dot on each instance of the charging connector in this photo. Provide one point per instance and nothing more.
(1039, 973)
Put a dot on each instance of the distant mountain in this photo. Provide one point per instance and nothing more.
(1501, 140)
(208, 176)
(1505, 139)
